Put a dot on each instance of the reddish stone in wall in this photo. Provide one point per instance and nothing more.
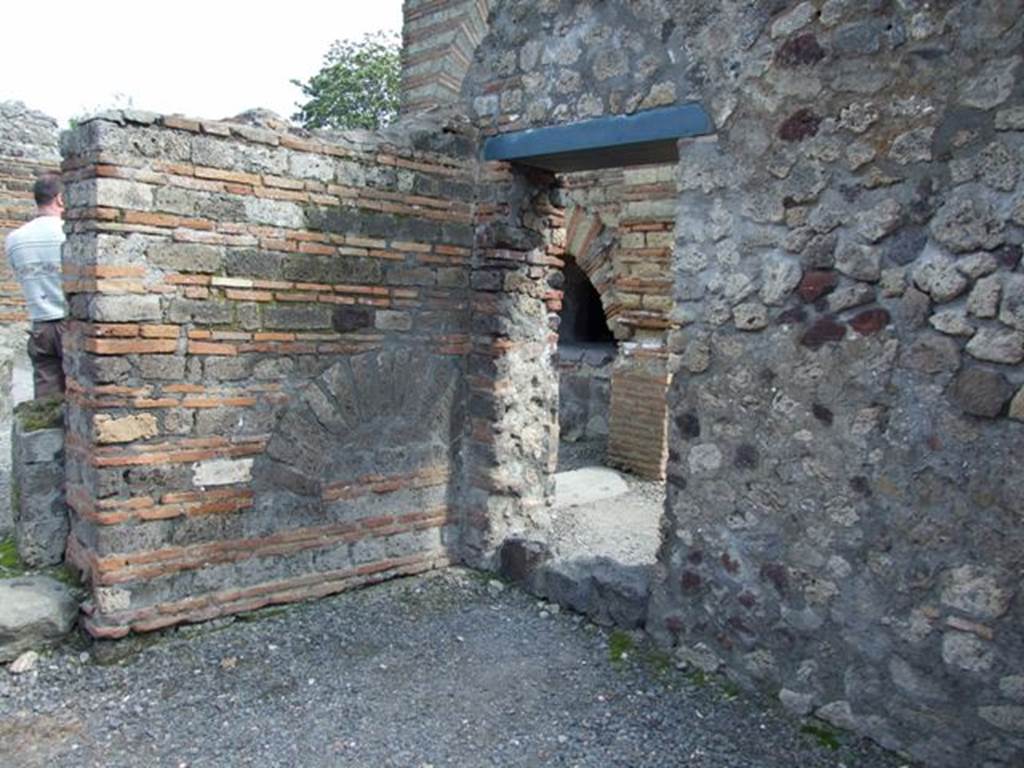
(824, 330)
(802, 49)
(817, 283)
(870, 321)
(801, 125)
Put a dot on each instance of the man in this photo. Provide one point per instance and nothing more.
(34, 252)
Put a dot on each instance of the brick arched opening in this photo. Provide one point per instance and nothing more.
(638, 319)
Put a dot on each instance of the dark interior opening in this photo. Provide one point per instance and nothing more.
(583, 320)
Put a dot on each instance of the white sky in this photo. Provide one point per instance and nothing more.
(212, 59)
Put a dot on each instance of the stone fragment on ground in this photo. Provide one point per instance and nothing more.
(35, 613)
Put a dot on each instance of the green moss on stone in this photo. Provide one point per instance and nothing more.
(619, 646)
(44, 413)
(826, 737)
(10, 563)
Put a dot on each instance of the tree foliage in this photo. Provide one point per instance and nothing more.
(357, 87)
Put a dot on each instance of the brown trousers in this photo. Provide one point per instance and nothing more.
(46, 350)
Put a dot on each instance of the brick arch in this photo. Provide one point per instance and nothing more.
(637, 437)
(364, 420)
(590, 243)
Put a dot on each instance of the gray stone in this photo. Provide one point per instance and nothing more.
(880, 221)
(912, 147)
(793, 20)
(952, 322)
(163, 367)
(860, 38)
(975, 591)
(26, 662)
(780, 277)
(750, 316)
(967, 223)
(983, 301)
(35, 613)
(40, 516)
(858, 116)
(1007, 718)
(977, 265)
(201, 312)
(893, 282)
(839, 714)
(121, 193)
(700, 656)
(392, 320)
(125, 309)
(992, 85)
(998, 167)
(277, 213)
(914, 682)
(861, 262)
(186, 257)
(997, 346)
(1017, 406)
(850, 296)
(967, 651)
(1011, 310)
(797, 703)
(1010, 119)
(981, 393)
(936, 275)
(1012, 687)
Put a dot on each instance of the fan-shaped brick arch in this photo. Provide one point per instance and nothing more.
(439, 38)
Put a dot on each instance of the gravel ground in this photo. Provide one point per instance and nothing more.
(440, 670)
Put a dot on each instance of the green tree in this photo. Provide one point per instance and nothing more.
(357, 87)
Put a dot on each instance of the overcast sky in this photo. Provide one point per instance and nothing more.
(213, 58)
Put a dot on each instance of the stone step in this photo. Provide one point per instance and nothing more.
(609, 592)
(36, 612)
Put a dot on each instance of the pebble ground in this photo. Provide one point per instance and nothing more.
(441, 670)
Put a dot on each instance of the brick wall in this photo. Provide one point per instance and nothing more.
(28, 147)
(265, 362)
(439, 38)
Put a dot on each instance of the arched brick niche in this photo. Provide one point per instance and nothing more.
(370, 427)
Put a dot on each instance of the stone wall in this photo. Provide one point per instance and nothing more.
(584, 393)
(28, 147)
(37, 490)
(266, 356)
(843, 523)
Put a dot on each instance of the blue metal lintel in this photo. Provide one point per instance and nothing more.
(602, 135)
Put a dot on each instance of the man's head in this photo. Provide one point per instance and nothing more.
(49, 194)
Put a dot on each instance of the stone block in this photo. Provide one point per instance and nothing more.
(221, 472)
(125, 309)
(35, 613)
(127, 429)
(40, 516)
(391, 320)
(186, 257)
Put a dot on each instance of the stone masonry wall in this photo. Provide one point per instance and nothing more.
(28, 147)
(843, 524)
(265, 361)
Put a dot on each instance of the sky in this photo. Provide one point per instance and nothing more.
(208, 59)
